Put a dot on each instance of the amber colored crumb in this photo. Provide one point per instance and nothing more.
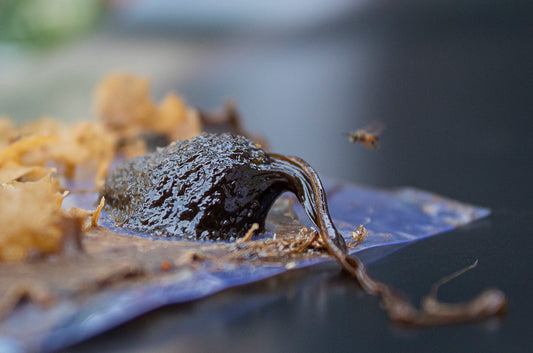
(165, 266)
(82, 147)
(85, 150)
(30, 199)
(12, 171)
(32, 219)
(124, 105)
(358, 236)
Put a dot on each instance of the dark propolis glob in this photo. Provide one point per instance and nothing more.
(217, 186)
(211, 187)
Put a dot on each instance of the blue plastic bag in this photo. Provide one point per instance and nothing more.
(392, 217)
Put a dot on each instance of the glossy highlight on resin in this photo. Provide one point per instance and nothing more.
(211, 187)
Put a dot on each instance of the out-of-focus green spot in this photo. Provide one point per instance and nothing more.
(47, 22)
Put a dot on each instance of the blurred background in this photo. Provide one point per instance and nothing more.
(451, 80)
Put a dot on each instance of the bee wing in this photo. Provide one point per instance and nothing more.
(375, 128)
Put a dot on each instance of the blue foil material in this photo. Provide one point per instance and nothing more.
(393, 218)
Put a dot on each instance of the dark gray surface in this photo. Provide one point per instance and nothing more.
(454, 86)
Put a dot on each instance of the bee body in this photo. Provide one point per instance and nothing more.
(368, 139)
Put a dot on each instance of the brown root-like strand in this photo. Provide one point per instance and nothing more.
(314, 200)
(490, 302)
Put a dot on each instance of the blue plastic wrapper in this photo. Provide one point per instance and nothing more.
(393, 218)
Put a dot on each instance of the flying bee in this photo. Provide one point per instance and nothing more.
(368, 136)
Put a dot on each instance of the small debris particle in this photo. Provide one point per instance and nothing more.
(165, 266)
(290, 265)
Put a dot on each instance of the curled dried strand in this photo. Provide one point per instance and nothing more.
(489, 303)
(444, 280)
(307, 243)
(358, 236)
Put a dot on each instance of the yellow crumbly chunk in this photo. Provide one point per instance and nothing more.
(125, 110)
(30, 214)
(30, 199)
(17, 151)
(14, 172)
(124, 105)
(176, 120)
(34, 222)
(44, 142)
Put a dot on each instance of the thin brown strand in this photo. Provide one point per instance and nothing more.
(448, 278)
(250, 233)
(491, 302)
(307, 243)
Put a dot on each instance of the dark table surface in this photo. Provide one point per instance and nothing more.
(454, 86)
